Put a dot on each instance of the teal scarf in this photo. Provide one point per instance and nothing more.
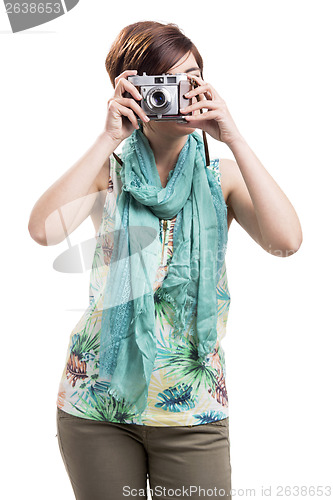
(127, 340)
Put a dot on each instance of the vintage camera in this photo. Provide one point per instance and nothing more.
(162, 95)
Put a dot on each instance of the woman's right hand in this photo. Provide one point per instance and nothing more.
(121, 120)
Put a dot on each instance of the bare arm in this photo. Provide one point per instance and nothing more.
(70, 200)
(259, 205)
(255, 200)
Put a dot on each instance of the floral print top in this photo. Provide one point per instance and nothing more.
(182, 391)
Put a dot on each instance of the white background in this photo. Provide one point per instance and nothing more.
(271, 62)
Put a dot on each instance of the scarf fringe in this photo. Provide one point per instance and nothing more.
(179, 321)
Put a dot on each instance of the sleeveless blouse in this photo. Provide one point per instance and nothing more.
(182, 391)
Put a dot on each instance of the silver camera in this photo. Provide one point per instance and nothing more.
(162, 95)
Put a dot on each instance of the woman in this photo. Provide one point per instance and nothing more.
(150, 399)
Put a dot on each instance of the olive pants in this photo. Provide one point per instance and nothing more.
(112, 461)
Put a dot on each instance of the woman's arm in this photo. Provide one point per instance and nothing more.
(70, 200)
(255, 200)
(259, 205)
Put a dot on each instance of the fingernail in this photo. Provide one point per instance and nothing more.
(146, 119)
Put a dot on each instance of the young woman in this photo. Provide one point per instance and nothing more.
(143, 393)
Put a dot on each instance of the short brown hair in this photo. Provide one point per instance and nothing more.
(149, 46)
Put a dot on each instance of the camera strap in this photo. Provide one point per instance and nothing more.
(206, 147)
(195, 85)
(118, 160)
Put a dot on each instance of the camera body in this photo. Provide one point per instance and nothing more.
(162, 95)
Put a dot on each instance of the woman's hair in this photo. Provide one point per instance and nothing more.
(149, 46)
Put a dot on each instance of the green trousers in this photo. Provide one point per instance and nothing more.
(111, 461)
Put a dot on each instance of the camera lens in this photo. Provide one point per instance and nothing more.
(158, 98)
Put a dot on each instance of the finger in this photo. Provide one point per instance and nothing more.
(197, 78)
(123, 85)
(129, 114)
(201, 98)
(128, 102)
(201, 90)
(209, 115)
(210, 92)
(203, 104)
(195, 99)
(125, 74)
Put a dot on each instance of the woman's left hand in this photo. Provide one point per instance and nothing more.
(217, 121)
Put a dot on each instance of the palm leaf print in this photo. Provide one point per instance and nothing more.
(176, 398)
(220, 392)
(210, 416)
(223, 294)
(223, 300)
(170, 240)
(61, 397)
(97, 255)
(185, 365)
(107, 247)
(163, 308)
(109, 213)
(84, 348)
(100, 404)
(117, 168)
(97, 273)
(110, 186)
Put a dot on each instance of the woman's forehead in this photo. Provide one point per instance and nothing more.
(187, 62)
